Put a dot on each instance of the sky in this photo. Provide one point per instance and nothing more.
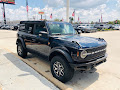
(86, 10)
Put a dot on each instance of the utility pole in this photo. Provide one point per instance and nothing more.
(4, 13)
(27, 8)
(101, 18)
(6, 2)
(67, 10)
(74, 15)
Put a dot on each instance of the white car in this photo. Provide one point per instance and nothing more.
(116, 27)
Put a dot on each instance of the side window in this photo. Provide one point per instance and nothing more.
(38, 28)
(30, 28)
(22, 27)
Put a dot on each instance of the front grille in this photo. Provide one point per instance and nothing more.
(95, 56)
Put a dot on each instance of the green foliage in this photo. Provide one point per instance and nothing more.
(114, 22)
(56, 19)
(110, 22)
(71, 19)
(76, 23)
(92, 22)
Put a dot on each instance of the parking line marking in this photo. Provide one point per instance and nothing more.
(56, 82)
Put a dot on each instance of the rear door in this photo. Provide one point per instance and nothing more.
(29, 37)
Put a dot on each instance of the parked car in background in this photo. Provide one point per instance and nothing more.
(110, 26)
(81, 27)
(87, 28)
(1, 26)
(78, 29)
(14, 27)
(90, 28)
(116, 27)
(5, 27)
(101, 26)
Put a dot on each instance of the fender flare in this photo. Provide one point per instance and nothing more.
(63, 52)
(22, 42)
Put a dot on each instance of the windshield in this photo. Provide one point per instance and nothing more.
(60, 28)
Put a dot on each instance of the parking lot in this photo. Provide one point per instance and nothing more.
(104, 77)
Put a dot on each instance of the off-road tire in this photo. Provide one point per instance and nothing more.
(68, 71)
(23, 53)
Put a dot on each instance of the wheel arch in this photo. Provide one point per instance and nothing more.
(20, 40)
(60, 52)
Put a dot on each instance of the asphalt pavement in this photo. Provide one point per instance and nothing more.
(105, 77)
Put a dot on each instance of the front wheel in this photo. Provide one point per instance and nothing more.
(60, 69)
(21, 51)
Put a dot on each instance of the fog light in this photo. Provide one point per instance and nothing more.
(83, 54)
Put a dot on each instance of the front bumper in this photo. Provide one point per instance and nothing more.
(89, 65)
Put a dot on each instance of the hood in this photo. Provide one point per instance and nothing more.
(84, 42)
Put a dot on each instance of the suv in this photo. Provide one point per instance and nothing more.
(101, 26)
(66, 50)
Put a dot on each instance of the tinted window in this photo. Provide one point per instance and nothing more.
(30, 28)
(83, 25)
(22, 27)
(38, 28)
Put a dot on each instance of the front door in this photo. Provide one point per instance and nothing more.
(39, 43)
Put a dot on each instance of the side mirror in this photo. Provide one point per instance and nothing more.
(42, 33)
(79, 32)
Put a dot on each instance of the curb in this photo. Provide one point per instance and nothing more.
(56, 82)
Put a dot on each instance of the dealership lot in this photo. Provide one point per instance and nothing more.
(105, 77)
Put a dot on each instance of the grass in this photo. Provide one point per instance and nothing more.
(105, 29)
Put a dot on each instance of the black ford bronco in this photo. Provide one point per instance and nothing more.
(66, 50)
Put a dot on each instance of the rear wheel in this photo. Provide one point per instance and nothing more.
(60, 69)
(21, 51)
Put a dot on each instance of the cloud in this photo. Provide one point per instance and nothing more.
(118, 3)
(85, 15)
(77, 4)
(55, 3)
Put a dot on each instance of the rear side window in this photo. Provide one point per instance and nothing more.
(30, 28)
(22, 27)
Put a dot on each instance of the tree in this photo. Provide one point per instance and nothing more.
(71, 19)
(114, 22)
(56, 19)
(92, 22)
(110, 22)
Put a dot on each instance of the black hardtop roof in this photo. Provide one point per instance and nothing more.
(23, 22)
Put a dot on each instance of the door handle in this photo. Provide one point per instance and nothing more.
(40, 34)
(33, 39)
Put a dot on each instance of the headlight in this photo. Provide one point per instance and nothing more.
(83, 54)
